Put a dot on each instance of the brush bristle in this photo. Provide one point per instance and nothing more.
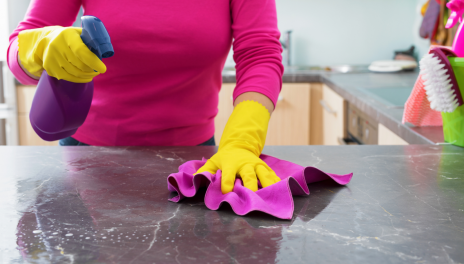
(437, 84)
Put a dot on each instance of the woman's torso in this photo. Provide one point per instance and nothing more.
(162, 84)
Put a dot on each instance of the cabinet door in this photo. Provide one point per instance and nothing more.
(387, 137)
(333, 116)
(289, 123)
(315, 121)
(27, 135)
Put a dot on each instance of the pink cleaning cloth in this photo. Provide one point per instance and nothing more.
(417, 109)
(275, 200)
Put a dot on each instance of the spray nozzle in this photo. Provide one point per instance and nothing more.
(457, 9)
(95, 36)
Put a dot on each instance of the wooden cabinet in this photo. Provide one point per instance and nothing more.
(290, 122)
(27, 135)
(387, 137)
(299, 118)
(295, 121)
(333, 117)
(310, 114)
(316, 124)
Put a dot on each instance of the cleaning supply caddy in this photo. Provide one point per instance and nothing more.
(443, 73)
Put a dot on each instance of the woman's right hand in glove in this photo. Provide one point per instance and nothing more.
(60, 51)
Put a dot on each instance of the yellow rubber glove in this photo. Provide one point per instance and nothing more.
(60, 51)
(241, 144)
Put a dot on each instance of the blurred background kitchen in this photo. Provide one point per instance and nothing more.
(328, 96)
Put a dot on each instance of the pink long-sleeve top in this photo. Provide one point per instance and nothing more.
(161, 86)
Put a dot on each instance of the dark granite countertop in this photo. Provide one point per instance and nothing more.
(405, 204)
(348, 86)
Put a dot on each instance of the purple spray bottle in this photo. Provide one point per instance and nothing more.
(60, 107)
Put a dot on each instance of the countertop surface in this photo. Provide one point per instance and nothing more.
(405, 204)
(351, 86)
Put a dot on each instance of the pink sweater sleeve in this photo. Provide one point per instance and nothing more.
(12, 61)
(41, 13)
(257, 50)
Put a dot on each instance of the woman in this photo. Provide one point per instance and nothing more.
(162, 85)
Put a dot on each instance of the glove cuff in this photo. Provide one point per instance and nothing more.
(247, 127)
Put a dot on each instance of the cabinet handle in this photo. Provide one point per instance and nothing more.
(327, 107)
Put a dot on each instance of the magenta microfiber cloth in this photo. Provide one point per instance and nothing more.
(275, 200)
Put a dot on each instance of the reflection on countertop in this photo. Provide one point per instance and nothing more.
(109, 205)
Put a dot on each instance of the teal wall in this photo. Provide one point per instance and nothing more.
(347, 32)
(332, 32)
